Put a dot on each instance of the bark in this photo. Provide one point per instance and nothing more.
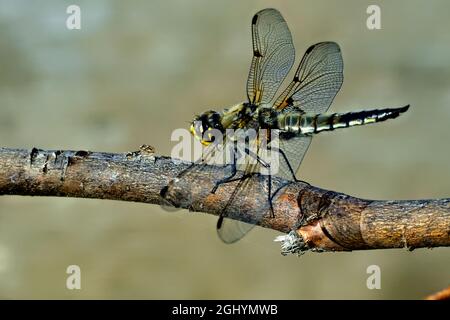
(316, 219)
(444, 294)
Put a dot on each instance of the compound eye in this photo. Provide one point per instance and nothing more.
(215, 120)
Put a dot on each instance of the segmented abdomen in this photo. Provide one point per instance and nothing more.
(307, 124)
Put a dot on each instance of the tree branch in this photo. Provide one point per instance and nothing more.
(321, 220)
(444, 294)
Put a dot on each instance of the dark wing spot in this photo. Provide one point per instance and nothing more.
(257, 54)
(310, 49)
(296, 79)
(290, 101)
(254, 19)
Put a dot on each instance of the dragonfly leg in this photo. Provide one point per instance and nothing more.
(269, 194)
(269, 180)
(291, 171)
(226, 179)
(229, 178)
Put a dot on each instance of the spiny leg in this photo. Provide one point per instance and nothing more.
(229, 178)
(226, 179)
(291, 171)
(272, 212)
(245, 176)
(248, 175)
(269, 186)
(280, 151)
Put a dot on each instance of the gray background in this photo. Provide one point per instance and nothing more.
(139, 69)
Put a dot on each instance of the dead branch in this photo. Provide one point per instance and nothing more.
(444, 294)
(321, 220)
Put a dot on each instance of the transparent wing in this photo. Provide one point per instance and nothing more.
(295, 149)
(317, 79)
(273, 55)
(213, 154)
(230, 230)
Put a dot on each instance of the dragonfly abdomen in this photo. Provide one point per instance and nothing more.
(307, 124)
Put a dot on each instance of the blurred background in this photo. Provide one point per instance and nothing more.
(139, 69)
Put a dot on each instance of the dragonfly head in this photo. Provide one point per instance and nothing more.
(206, 126)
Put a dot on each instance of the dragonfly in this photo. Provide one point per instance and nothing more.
(297, 114)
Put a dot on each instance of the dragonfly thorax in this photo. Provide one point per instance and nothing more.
(267, 118)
